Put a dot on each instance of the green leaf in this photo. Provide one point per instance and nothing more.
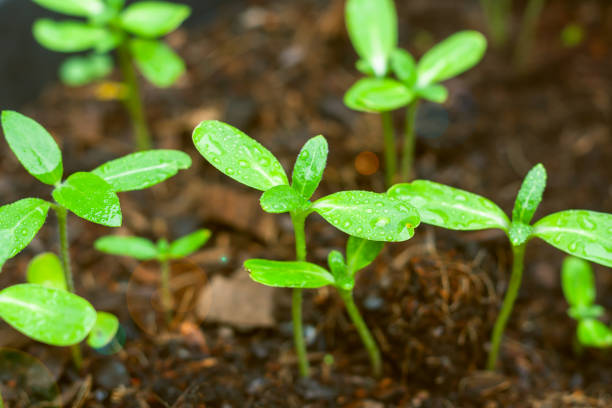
(368, 215)
(68, 35)
(157, 62)
(134, 247)
(153, 18)
(343, 279)
(188, 244)
(51, 316)
(519, 233)
(372, 27)
(309, 166)
(578, 282)
(141, 170)
(78, 71)
(404, 67)
(281, 199)
(529, 195)
(33, 146)
(238, 156)
(90, 197)
(435, 93)
(78, 8)
(593, 333)
(104, 330)
(364, 67)
(582, 233)
(378, 95)
(19, 223)
(288, 274)
(585, 312)
(361, 252)
(451, 57)
(450, 207)
(46, 270)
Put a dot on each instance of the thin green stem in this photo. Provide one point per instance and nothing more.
(133, 100)
(528, 26)
(389, 141)
(409, 141)
(506, 309)
(296, 304)
(364, 332)
(166, 293)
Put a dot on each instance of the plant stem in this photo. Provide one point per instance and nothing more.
(525, 37)
(296, 304)
(166, 295)
(409, 141)
(506, 309)
(133, 100)
(389, 141)
(364, 332)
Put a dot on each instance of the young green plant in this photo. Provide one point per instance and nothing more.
(578, 283)
(372, 28)
(133, 31)
(162, 252)
(582, 233)
(362, 214)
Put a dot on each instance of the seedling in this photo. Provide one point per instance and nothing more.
(163, 252)
(89, 195)
(372, 27)
(578, 284)
(300, 274)
(362, 214)
(582, 233)
(134, 33)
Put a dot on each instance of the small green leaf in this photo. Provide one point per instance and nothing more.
(288, 274)
(361, 252)
(344, 280)
(404, 67)
(78, 8)
(33, 146)
(78, 71)
(68, 35)
(372, 27)
(309, 166)
(593, 333)
(238, 156)
(90, 197)
(153, 18)
(188, 244)
(19, 224)
(582, 233)
(529, 195)
(586, 312)
(46, 270)
(141, 170)
(451, 57)
(434, 93)
(578, 282)
(51, 316)
(281, 199)
(368, 215)
(104, 330)
(134, 247)
(519, 233)
(157, 62)
(378, 95)
(450, 207)
(364, 67)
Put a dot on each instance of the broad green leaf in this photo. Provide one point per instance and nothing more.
(51, 316)
(90, 197)
(593, 333)
(309, 166)
(78, 8)
(157, 62)
(19, 223)
(33, 146)
(280, 199)
(104, 330)
(68, 35)
(372, 27)
(343, 279)
(578, 282)
(141, 170)
(361, 252)
(368, 215)
(451, 57)
(582, 233)
(434, 93)
(450, 207)
(238, 156)
(519, 233)
(288, 274)
(404, 67)
(134, 247)
(153, 18)
(378, 95)
(530, 195)
(78, 71)
(46, 270)
(188, 244)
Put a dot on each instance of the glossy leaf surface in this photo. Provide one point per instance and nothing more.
(134, 247)
(153, 18)
(593, 333)
(78, 8)
(68, 35)
(288, 274)
(361, 252)
(309, 166)
(519, 233)
(104, 330)
(378, 95)
(46, 270)
(530, 195)
(404, 67)
(238, 156)
(434, 93)
(188, 244)
(157, 62)
(78, 71)
(578, 282)
(281, 199)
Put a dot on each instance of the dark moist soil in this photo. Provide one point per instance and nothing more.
(278, 71)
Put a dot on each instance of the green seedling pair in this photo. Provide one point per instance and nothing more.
(372, 27)
(361, 214)
(582, 233)
(132, 31)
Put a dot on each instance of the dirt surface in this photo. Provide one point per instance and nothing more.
(278, 71)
